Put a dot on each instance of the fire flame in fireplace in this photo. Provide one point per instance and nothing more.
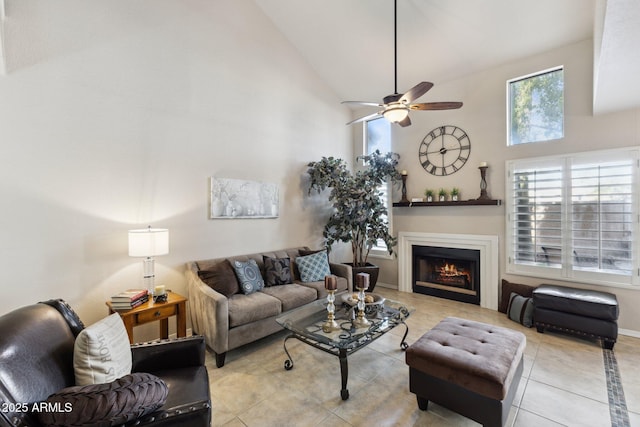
(449, 272)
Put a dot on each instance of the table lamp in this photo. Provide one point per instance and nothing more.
(147, 243)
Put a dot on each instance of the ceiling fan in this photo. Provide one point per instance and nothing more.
(396, 107)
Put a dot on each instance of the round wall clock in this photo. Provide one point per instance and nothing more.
(444, 150)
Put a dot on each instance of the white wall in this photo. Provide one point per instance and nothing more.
(483, 117)
(113, 115)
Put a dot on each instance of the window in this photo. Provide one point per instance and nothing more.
(536, 107)
(377, 136)
(575, 217)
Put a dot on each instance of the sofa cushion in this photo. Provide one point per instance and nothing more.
(292, 295)
(245, 309)
(102, 352)
(277, 271)
(249, 276)
(114, 403)
(313, 267)
(221, 278)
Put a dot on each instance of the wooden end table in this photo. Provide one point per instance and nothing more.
(176, 305)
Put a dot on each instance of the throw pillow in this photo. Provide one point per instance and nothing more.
(249, 276)
(508, 288)
(221, 278)
(521, 309)
(313, 267)
(277, 271)
(102, 352)
(115, 403)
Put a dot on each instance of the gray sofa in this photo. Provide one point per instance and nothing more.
(228, 322)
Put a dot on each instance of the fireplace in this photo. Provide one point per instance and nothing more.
(487, 279)
(451, 273)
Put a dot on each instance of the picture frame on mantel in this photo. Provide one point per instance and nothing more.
(242, 199)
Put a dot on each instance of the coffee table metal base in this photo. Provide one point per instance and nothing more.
(341, 353)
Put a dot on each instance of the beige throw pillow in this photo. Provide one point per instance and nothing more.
(102, 352)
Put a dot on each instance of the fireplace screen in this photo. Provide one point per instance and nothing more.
(447, 272)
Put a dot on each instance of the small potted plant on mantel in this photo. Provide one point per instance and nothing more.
(442, 195)
(429, 195)
(454, 194)
(359, 214)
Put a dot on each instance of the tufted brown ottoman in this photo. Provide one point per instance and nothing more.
(469, 367)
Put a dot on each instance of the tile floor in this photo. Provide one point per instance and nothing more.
(563, 384)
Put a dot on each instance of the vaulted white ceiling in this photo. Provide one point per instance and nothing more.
(350, 42)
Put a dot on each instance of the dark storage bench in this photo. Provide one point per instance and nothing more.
(593, 314)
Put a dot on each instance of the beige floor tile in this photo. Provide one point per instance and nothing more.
(571, 367)
(563, 406)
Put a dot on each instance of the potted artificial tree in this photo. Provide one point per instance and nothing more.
(442, 194)
(359, 214)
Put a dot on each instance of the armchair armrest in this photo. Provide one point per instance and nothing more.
(177, 353)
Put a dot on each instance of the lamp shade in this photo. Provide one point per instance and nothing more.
(148, 242)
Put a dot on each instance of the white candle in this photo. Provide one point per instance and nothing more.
(159, 290)
(404, 172)
(483, 164)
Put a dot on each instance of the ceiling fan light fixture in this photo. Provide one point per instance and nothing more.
(395, 107)
(396, 113)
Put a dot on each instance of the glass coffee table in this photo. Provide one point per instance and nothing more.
(306, 324)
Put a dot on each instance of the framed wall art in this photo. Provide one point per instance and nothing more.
(237, 198)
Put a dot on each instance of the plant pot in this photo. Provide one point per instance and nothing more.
(429, 198)
(373, 271)
(454, 198)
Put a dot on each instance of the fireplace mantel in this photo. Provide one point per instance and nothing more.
(487, 245)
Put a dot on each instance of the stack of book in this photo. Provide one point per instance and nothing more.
(129, 299)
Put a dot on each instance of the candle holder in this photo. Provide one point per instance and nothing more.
(361, 321)
(331, 324)
(404, 189)
(483, 183)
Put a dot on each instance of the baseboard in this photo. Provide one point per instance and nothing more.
(629, 333)
(386, 285)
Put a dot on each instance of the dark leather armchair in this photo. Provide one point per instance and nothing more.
(36, 360)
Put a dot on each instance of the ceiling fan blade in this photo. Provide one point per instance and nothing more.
(406, 122)
(436, 106)
(362, 119)
(371, 104)
(416, 92)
